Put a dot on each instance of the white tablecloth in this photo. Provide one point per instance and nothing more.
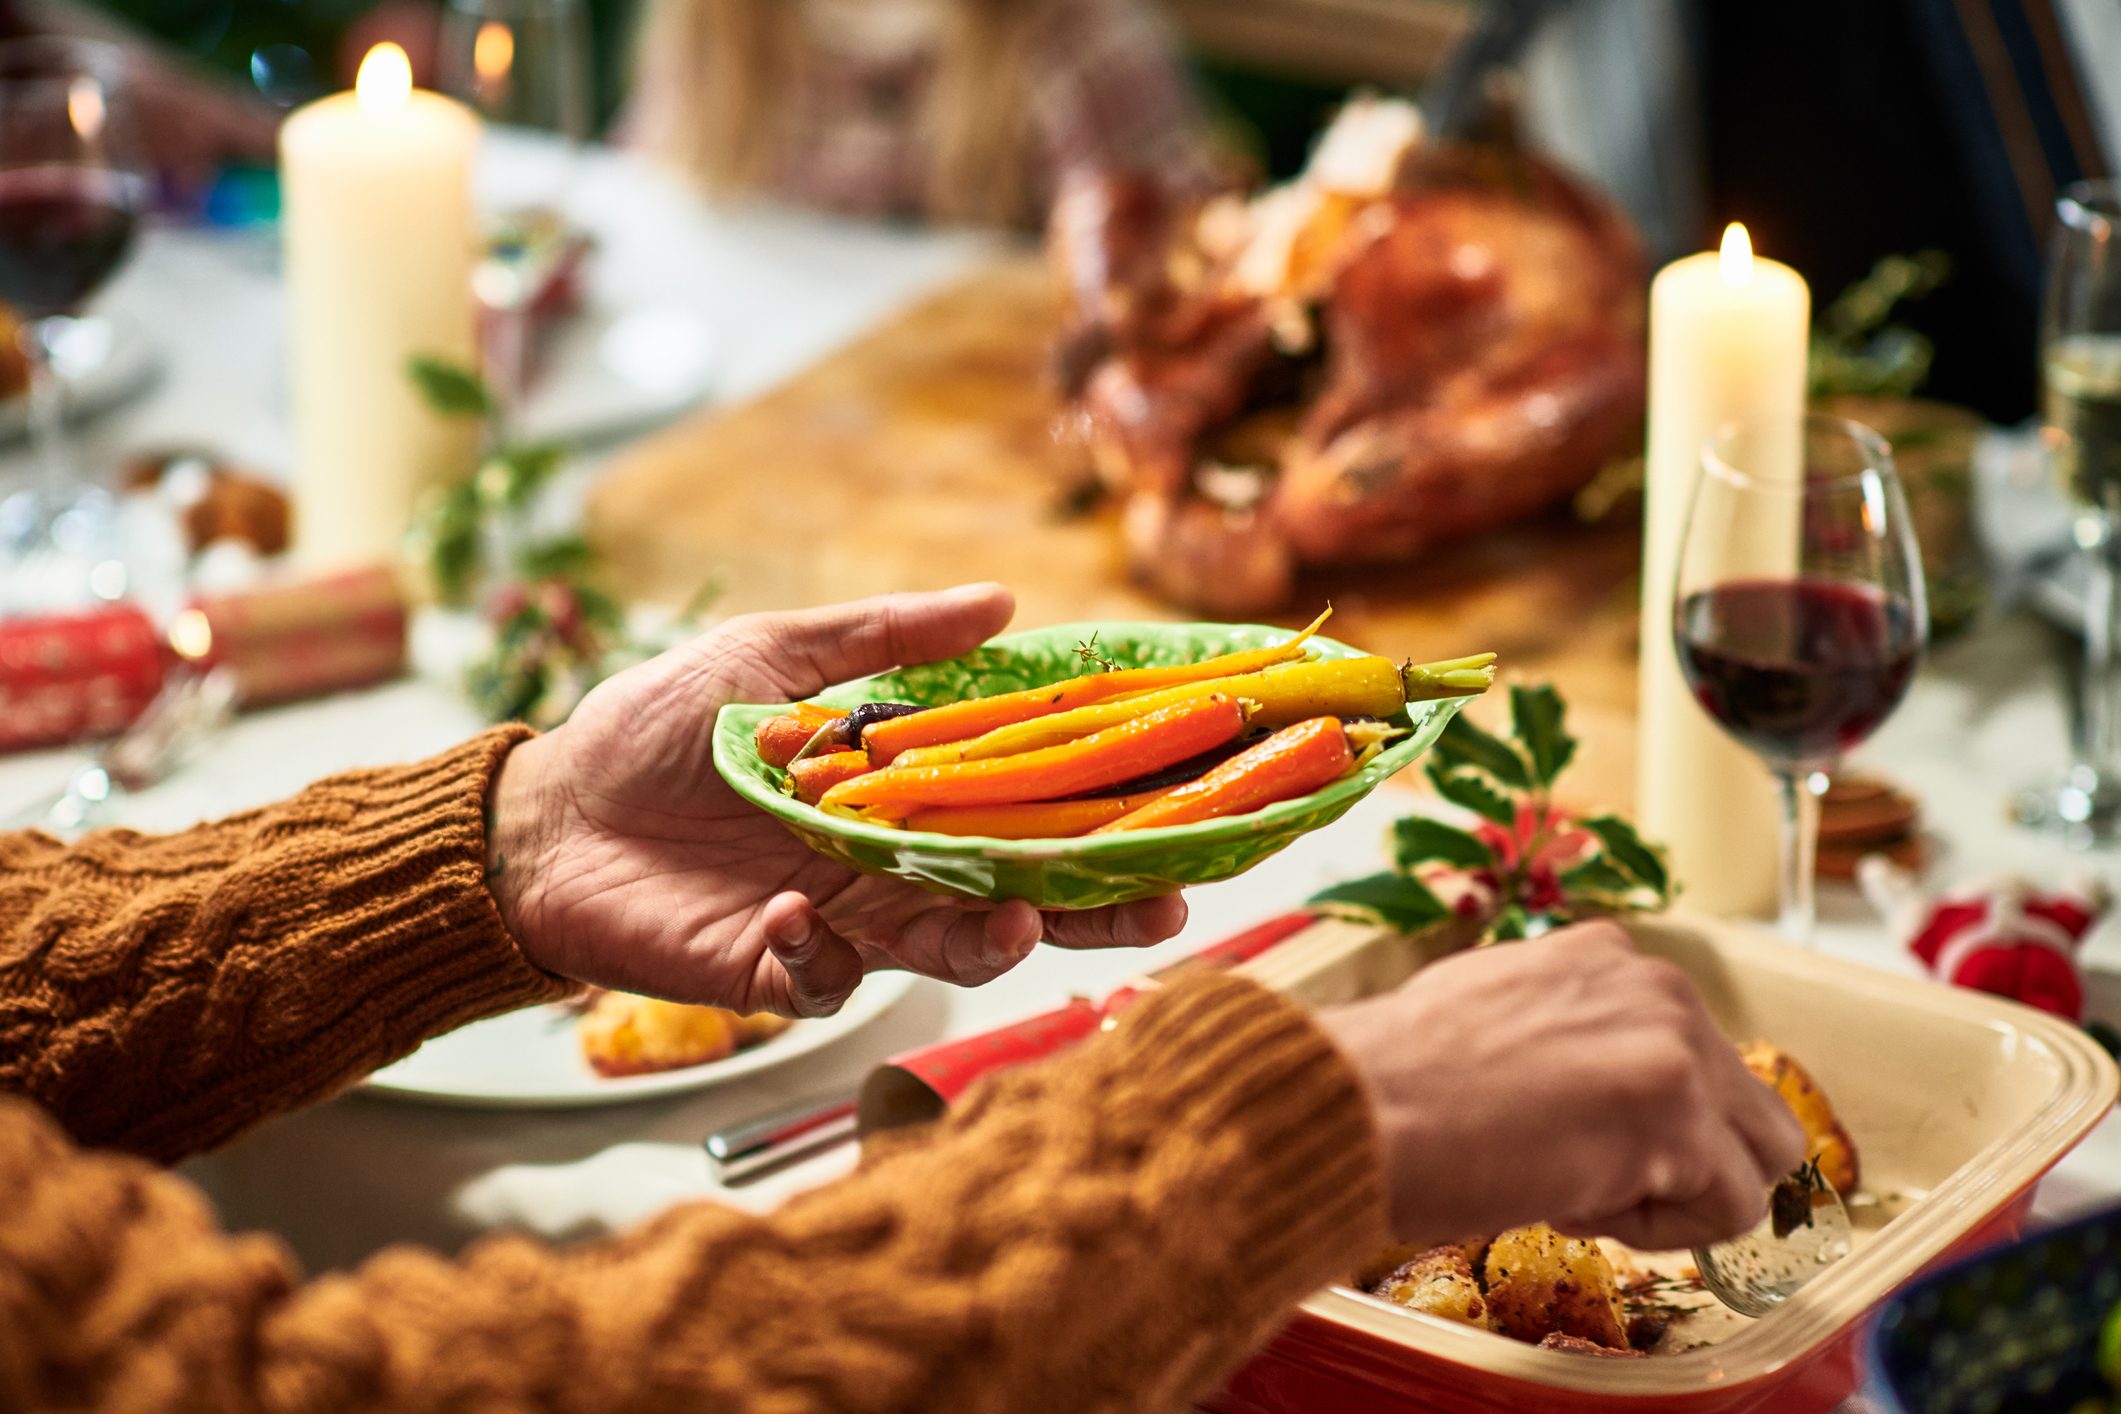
(347, 1177)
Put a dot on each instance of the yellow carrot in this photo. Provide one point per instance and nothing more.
(1279, 696)
(958, 721)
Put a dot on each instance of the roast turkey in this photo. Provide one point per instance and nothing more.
(1407, 345)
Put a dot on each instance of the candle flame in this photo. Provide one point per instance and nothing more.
(385, 80)
(1736, 258)
(493, 52)
(84, 107)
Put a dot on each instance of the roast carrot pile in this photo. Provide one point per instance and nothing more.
(983, 714)
(1114, 756)
(1118, 750)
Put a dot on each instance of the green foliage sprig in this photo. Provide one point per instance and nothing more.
(557, 632)
(1855, 350)
(1523, 866)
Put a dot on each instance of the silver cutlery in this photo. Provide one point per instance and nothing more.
(189, 710)
(1805, 1232)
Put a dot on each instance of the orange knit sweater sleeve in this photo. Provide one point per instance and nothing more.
(159, 994)
(1107, 1231)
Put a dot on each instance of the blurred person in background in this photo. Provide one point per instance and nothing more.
(1841, 134)
(939, 110)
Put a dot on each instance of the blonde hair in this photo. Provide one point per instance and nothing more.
(732, 68)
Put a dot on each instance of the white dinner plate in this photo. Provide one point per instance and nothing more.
(530, 1058)
(608, 373)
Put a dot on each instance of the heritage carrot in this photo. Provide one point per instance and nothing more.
(958, 721)
(1279, 696)
(1030, 820)
(778, 739)
(1111, 757)
(1294, 761)
(815, 775)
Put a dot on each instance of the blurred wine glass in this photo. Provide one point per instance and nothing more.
(71, 193)
(525, 66)
(2080, 375)
(1800, 614)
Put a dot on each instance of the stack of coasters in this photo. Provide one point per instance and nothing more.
(1862, 815)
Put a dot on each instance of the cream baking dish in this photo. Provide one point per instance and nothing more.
(1958, 1099)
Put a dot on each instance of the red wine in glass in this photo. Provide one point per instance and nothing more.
(1800, 670)
(63, 231)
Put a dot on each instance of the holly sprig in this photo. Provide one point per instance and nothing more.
(1854, 346)
(1521, 866)
(557, 632)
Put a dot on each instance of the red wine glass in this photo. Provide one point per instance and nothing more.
(71, 193)
(1800, 611)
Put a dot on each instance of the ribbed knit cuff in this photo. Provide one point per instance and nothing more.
(1225, 1056)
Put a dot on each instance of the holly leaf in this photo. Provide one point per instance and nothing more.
(1395, 900)
(1509, 925)
(1417, 840)
(1536, 720)
(1627, 848)
(449, 388)
(446, 536)
(564, 556)
(1598, 876)
(513, 475)
(1463, 744)
(1469, 789)
(599, 610)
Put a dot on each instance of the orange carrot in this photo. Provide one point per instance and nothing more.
(1136, 747)
(1032, 820)
(957, 721)
(778, 739)
(1294, 761)
(815, 775)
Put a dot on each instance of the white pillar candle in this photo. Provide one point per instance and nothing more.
(376, 217)
(1728, 341)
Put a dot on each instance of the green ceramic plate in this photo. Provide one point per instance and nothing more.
(1073, 873)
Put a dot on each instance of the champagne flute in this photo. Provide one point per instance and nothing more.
(1800, 613)
(2080, 358)
(71, 193)
(523, 64)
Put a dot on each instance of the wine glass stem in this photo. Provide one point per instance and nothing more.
(47, 422)
(1800, 848)
(2094, 744)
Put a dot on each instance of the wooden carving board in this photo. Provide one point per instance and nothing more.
(921, 455)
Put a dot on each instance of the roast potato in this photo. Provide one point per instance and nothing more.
(1440, 1282)
(1539, 1282)
(622, 1034)
(758, 1028)
(1825, 1138)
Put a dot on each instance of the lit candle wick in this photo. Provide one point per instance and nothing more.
(1736, 258)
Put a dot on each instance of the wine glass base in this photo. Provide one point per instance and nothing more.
(2083, 807)
(59, 554)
